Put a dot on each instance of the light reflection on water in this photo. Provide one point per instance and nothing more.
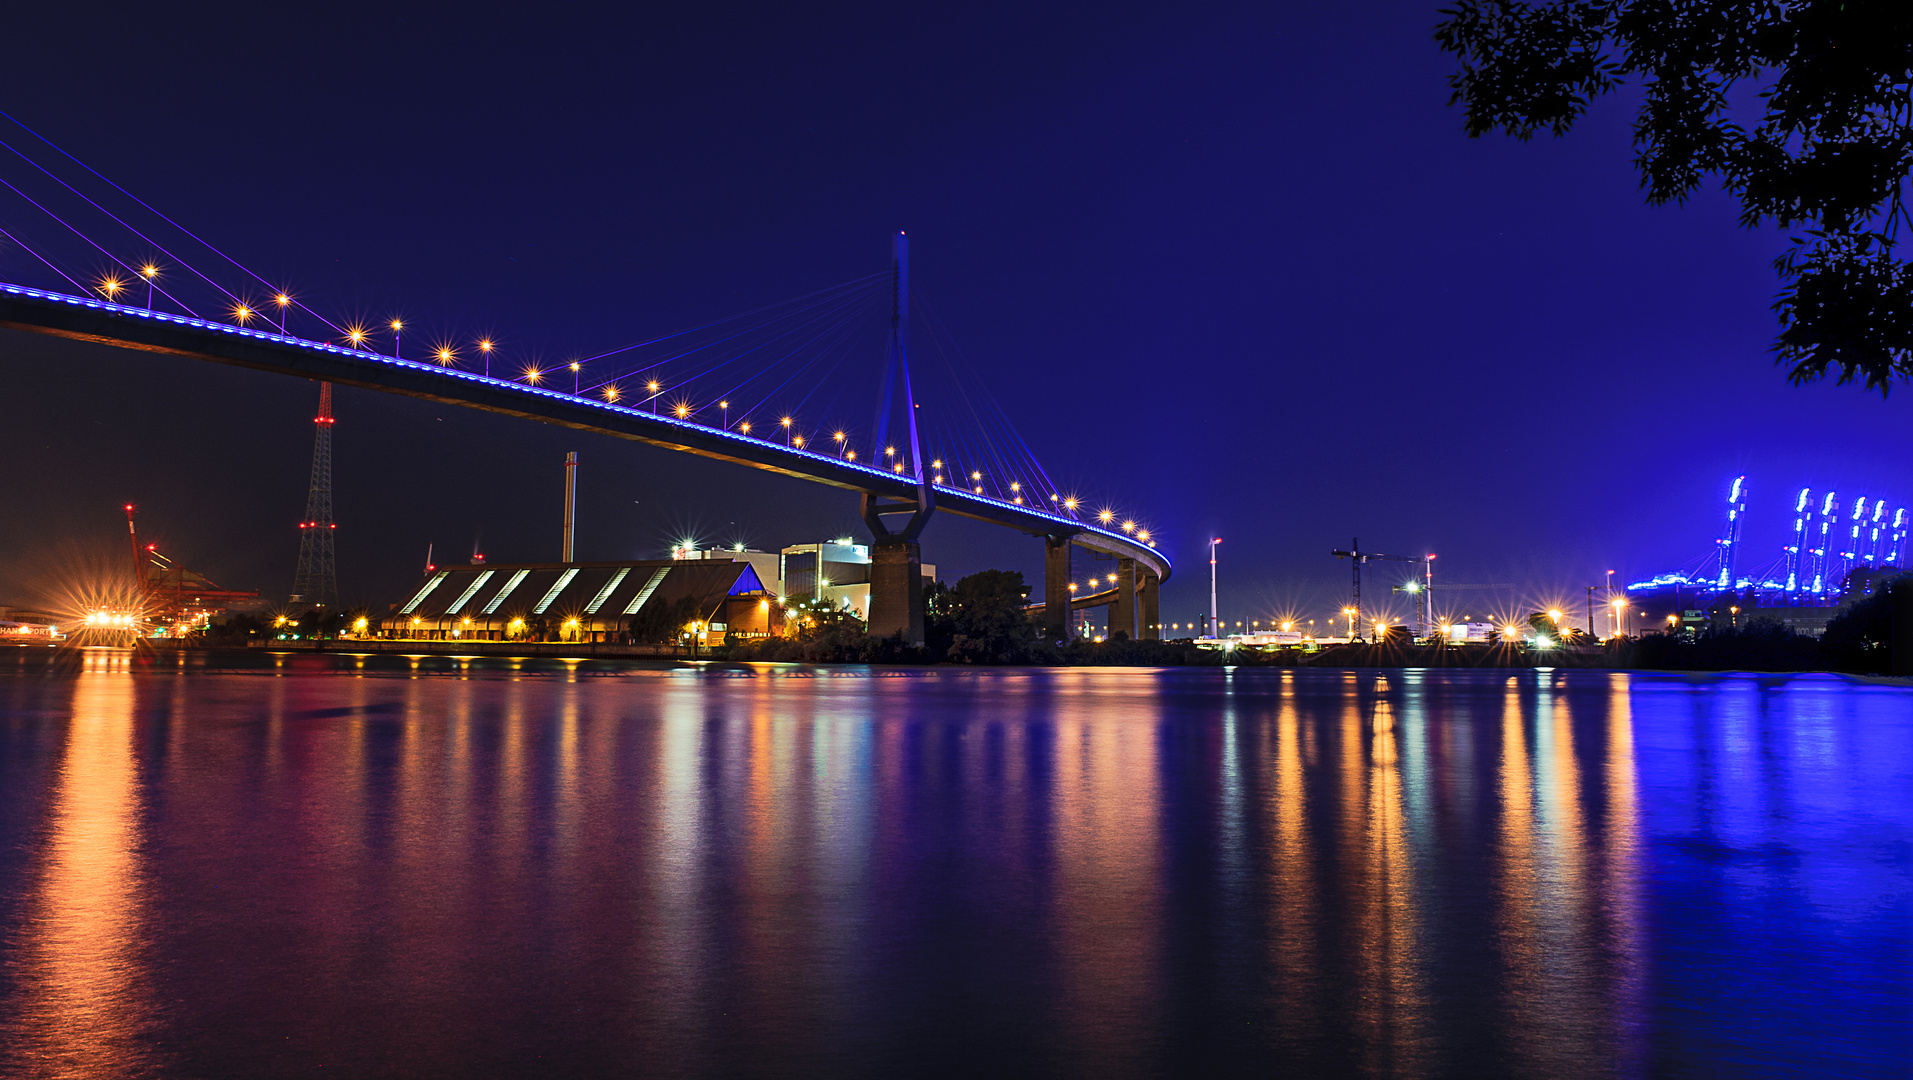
(80, 945)
(1109, 873)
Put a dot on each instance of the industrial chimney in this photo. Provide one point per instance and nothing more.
(571, 500)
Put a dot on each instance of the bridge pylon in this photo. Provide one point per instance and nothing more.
(1056, 608)
(1148, 604)
(896, 558)
(1122, 610)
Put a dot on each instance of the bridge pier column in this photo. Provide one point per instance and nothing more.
(1146, 601)
(1056, 612)
(896, 590)
(1122, 613)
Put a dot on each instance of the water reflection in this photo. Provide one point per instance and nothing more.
(1294, 913)
(84, 991)
(1389, 972)
(1108, 874)
(839, 872)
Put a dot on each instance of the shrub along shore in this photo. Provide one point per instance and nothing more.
(980, 620)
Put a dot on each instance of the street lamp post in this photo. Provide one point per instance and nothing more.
(1214, 626)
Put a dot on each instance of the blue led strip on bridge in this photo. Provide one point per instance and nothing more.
(946, 492)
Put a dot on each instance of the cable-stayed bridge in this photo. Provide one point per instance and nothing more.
(820, 388)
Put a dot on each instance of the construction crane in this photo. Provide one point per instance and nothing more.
(167, 594)
(1357, 557)
(139, 564)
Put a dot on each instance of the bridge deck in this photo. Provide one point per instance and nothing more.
(85, 319)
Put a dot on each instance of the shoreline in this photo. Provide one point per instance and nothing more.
(664, 657)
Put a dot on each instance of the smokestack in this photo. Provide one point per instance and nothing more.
(571, 500)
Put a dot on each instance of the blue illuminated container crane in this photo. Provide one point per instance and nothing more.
(1850, 558)
(1814, 564)
(1828, 509)
(1802, 522)
(1736, 506)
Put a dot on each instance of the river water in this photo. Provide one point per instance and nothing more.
(320, 866)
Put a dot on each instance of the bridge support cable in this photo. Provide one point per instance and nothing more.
(149, 208)
(832, 340)
(799, 355)
(43, 260)
(150, 273)
(1008, 456)
(116, 260)
(749, 338)
(805, 354)
(83, 318)
(796, 348)
(820, 296)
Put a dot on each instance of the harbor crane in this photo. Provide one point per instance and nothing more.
(1357, 557)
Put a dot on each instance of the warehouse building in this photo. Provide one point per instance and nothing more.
(637, 601)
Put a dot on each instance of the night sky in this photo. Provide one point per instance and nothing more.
(1235, 270)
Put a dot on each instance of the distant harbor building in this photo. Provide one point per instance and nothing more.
(27, 624)
(836, 572)
(768, 565)
(637, 601)
(734, 591)
(1465, 633)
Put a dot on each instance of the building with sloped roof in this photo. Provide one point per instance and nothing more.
(615, 602)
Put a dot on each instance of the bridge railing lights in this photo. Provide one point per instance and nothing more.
(357, 339)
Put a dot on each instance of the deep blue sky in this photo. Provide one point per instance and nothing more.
(1234, 268)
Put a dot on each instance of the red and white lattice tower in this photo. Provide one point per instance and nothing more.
(316, 584)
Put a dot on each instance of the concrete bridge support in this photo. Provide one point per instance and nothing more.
(1151, 613)
(896, 566)
(1122, 612)
(896, 589)
(1056, 588)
